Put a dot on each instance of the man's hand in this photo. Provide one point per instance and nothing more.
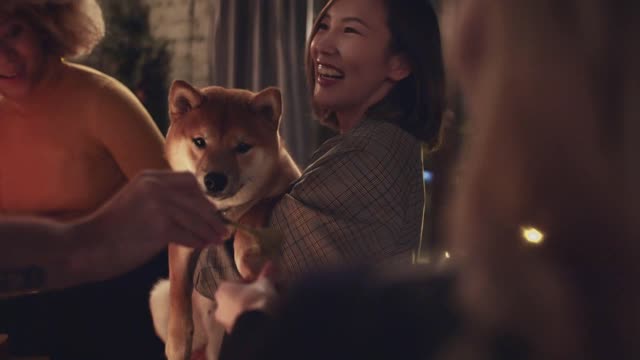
(164, 206)
(153, 209)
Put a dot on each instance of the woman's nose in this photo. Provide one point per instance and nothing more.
(324, 43)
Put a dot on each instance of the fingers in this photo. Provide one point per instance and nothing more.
(233, 299)
(265, 292)
(268, 271)
(186, 232)
(185, 185)
(173, 179)
(230, 304)
(193, 218)
(193, 214)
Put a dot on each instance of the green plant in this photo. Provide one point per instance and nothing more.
(132, 55)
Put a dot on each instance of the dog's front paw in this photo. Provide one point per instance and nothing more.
(177, 350)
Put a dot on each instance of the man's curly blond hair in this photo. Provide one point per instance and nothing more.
(72, 28)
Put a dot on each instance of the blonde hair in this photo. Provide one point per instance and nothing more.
(72, 27)
(554, 102)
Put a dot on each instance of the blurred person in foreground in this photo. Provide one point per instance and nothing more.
(553, 139)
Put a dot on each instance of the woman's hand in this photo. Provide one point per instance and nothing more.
(236, 298)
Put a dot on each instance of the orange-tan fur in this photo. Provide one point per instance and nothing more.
(226, 120)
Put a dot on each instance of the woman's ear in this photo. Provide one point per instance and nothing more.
(399, 67)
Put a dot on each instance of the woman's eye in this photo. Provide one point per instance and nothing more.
(323, 26)
(243, 148)
(200, 143)
(351, 30)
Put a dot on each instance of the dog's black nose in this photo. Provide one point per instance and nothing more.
(215, 182)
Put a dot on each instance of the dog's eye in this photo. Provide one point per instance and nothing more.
(199, 142)
(243, 148)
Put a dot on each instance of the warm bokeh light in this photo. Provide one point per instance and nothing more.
(532, 235)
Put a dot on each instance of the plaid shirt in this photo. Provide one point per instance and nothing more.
(360, 201)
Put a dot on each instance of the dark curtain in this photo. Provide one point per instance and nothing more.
(260, 43)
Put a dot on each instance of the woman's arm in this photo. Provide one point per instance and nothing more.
(357, 208)
(359, 202)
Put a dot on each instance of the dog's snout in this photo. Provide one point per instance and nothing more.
(215, 182)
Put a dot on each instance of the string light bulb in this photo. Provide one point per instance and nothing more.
(532, 235)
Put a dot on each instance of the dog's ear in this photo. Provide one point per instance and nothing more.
(268, 102)
(183, 98)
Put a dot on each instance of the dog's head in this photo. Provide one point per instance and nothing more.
(228, 138)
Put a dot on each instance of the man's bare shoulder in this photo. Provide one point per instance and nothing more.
(91, 81)
(106, 96)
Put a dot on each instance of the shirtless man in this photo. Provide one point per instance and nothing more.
(70, 138)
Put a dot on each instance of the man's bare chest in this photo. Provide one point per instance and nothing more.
(49, 165)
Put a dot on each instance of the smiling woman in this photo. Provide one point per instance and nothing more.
(70, 137)
(375, 73)
(354, 68)
(384, 58)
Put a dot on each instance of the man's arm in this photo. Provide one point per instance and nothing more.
(153, 209)
(36, 255)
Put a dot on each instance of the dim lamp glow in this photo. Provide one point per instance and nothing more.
(532, 235)
(447, 255)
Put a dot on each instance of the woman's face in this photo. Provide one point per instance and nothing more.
(350, 54)
(22, 57)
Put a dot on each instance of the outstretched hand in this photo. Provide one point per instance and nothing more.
(235, 298)
(154, 208)
(164, 206)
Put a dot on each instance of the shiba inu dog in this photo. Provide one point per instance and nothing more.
(229, 139)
